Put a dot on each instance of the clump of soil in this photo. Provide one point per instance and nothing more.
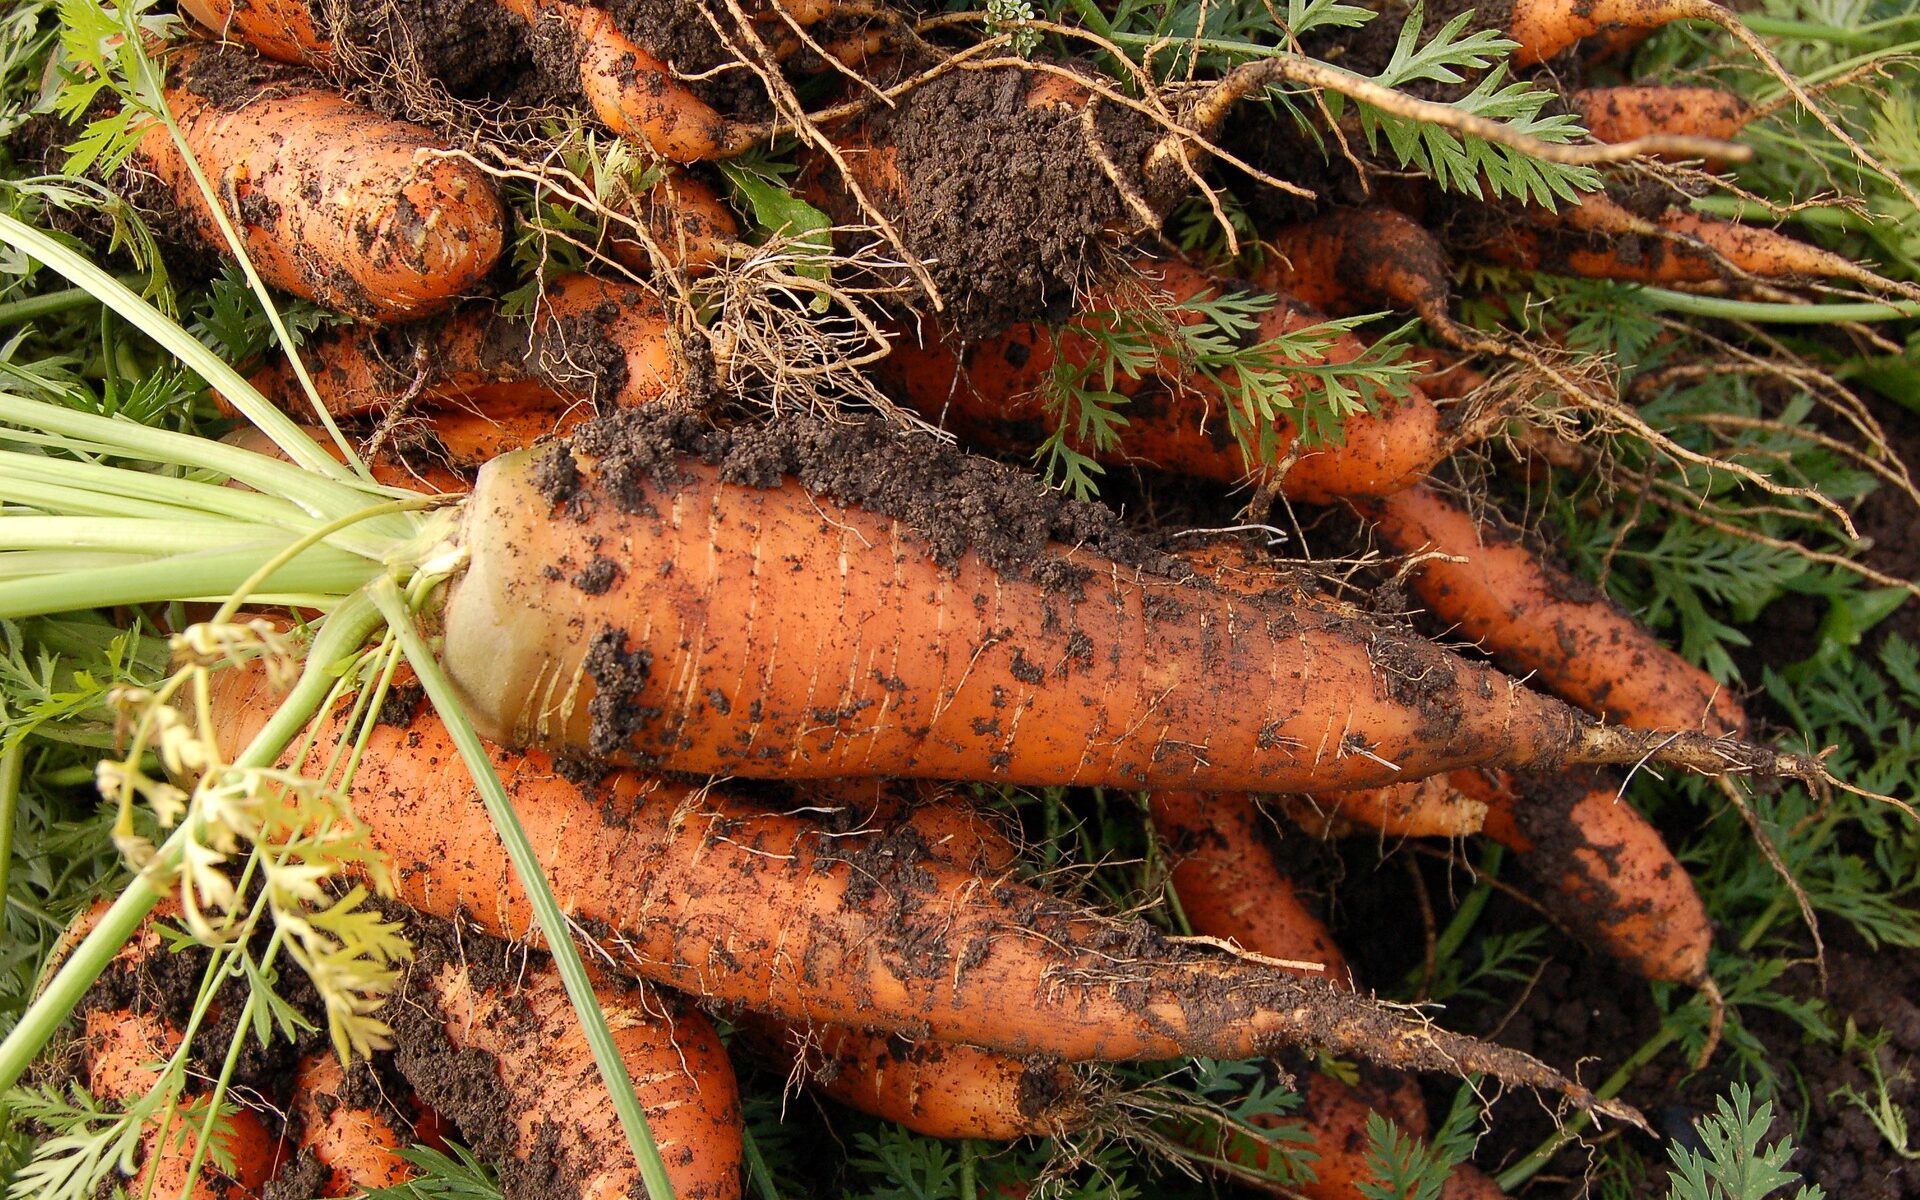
(1008, 201)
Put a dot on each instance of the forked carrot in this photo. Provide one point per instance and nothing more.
(407, 227)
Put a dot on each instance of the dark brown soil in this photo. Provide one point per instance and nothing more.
(1010, 202)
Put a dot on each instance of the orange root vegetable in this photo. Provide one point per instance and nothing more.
(1620, 114)
(880, 646)
(591, 342)
(993, 395)
(1537, 620)
(1546, 27)
(118, 1047)
(687, 220)
(634, 93)
(932, 1088)
(352, 1139)
(401, 229)
(1611, 879)
(727, 901)
(1429, 807)
(528, 1093)
(1353, 259)
(279, 29)
(1230, 887)
(1599, 239)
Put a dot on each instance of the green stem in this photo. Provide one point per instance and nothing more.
(1542, 1154)
(526, 866)
(12, 759)
(757, 1166)
(1780, 314)
(1806, 31)
(32, 308)
(338, 638)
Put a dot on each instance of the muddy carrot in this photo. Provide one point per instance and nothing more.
(1619, 114)
(1353, 259)
(1538, 620)
(346, 1127)
(333, 201)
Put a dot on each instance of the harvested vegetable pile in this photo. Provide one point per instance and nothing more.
(813, 597)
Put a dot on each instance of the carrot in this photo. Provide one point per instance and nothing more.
(634, 93)
(589, 340)
(1611, 879)
(1620, 114)
(279, 29)
(347, 1130)
(1229, 885)
(117, 1047)
(992, 395)
(1599, 239)
(932, 1088)
(1351, 259)
(1109, 675)
(400, 230)
(536, 1102)
(735, 904)
(1429, 807)
(1546, 27)
(1537, 620)
(687, 220)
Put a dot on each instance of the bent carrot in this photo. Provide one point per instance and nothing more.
(1620, 114)
(1537, 620)
(1611, 879)
(720, 899)
(558, 1135)
(992, 395)
(353, 1141)
(332, 201)
(590, 341)
(904, 673)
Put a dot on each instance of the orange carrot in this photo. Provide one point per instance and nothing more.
(1611, 879)
(352, 1138)
(401, 228)
(1620, 114)
(993, 395)
(1429, 807)
(590, 341)
(1112, 675)
(1539, 621)
(1352, 259)
(692, 888)
(280, 29)
(544, 1113)
(1546, 27)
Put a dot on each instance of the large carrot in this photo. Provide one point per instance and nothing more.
(628, 601)
(993, 395)
(588, 340)
(723, 900)
(1538, 620)
(524, 1088)
(332, 201)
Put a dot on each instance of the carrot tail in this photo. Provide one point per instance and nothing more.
(491, 1041)
(408, 229)
(1610, 877)
(1538, 621)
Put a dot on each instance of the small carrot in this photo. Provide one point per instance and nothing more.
(333, 201)
(545, 1114)
(993, 395)
(1620, 114)
(279, 29)
(739, 905)
(351, 1134)
(590, 342)
(1611, 879)
(1537, 620)
(1430, 807)
(1351, 259)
